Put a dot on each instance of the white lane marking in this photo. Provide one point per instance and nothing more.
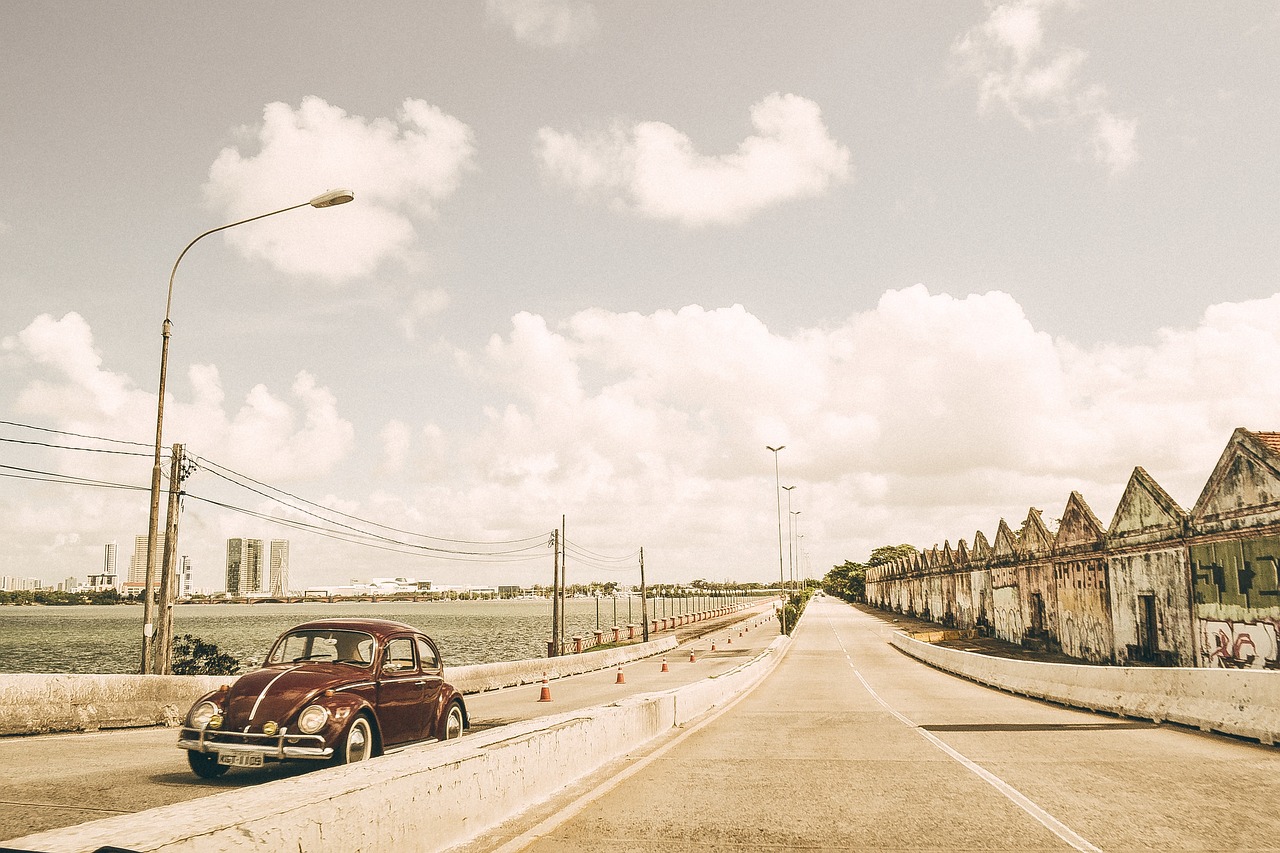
(1015, 796)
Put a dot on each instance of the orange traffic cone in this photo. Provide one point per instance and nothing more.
(546, 691)
(664, 665)
(622, 679)
(692, 657)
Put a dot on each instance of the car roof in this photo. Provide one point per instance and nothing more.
(379, 628)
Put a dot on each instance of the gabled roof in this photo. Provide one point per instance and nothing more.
(1146, 510)
(962, 553)
(1006, 544)
(948, 557)
(1036, 538)
(1244, 484)
(1079, 526)
(981, 548)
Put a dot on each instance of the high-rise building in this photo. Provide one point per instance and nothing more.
(279, 567)
(244, 566)
(109, 559)
(184, 577)
(9, 583)
(138, 564)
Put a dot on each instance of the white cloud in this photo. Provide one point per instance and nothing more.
(1041, 83)
(401, 170)
(65, 386)
(654, 169)
(546, 23)
(923, 418)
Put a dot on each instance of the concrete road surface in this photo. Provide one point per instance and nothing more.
(850, 745)
(66, 779)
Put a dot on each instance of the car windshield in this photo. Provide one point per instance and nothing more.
(349, 647)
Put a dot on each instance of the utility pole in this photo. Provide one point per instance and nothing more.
(564, 581)
(162, 637)
(553, 650)
(644, 600)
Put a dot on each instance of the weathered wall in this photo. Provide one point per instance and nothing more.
(1161, 574)
(1237, 602)
(1159, 585)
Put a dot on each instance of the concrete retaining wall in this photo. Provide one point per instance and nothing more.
(1236, 702)
(35, 703)
(40, 704)
(420, 799)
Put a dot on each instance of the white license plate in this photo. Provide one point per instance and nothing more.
(240, 759)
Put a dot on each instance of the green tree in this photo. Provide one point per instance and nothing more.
(847, 581)
(889, 553)
(193, 656)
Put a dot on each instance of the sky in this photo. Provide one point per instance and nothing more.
(960, 258)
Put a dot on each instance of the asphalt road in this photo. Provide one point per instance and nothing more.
(850, 745)
(61, 780)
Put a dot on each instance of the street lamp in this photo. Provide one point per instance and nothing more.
(331, 198)
(795, 559)
(777, 490)
(791, 560)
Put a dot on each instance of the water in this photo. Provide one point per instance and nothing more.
(108, 639)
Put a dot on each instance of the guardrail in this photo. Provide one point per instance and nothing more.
(1245, 703)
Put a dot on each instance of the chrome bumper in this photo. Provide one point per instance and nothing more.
(270, 746)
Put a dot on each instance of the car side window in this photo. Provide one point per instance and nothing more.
(399, 656)
(428, 656)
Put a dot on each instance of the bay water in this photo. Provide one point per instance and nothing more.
(108, 639)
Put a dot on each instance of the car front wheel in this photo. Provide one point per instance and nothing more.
(453, 722)
(205, 764)
(357, 744)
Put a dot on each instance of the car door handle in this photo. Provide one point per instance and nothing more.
(419, 683)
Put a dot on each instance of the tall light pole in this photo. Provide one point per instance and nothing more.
(777, 490)
(328, 199)
(795, 534)
(791, 560)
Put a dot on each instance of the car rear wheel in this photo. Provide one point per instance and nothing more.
(205, 764)
(356, 744)
(453, 722)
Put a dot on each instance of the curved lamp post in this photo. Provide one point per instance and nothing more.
(777, 490)
(331, 198)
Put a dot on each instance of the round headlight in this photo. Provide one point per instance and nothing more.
(269, 728)
(313, 718)
(201, 714)
(215, 722)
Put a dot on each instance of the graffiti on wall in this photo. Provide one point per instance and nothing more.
(1239, 645)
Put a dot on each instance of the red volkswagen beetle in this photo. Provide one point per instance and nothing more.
(333, 690)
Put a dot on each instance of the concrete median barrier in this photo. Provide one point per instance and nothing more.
(43, 703)
(424, 799)
(1245, 703)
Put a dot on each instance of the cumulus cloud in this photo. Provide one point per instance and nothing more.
(1041, 83)
(654, 170)
(925, 417)
(545, 23)
(400, 169)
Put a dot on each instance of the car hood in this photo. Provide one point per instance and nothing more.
(278, 692)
